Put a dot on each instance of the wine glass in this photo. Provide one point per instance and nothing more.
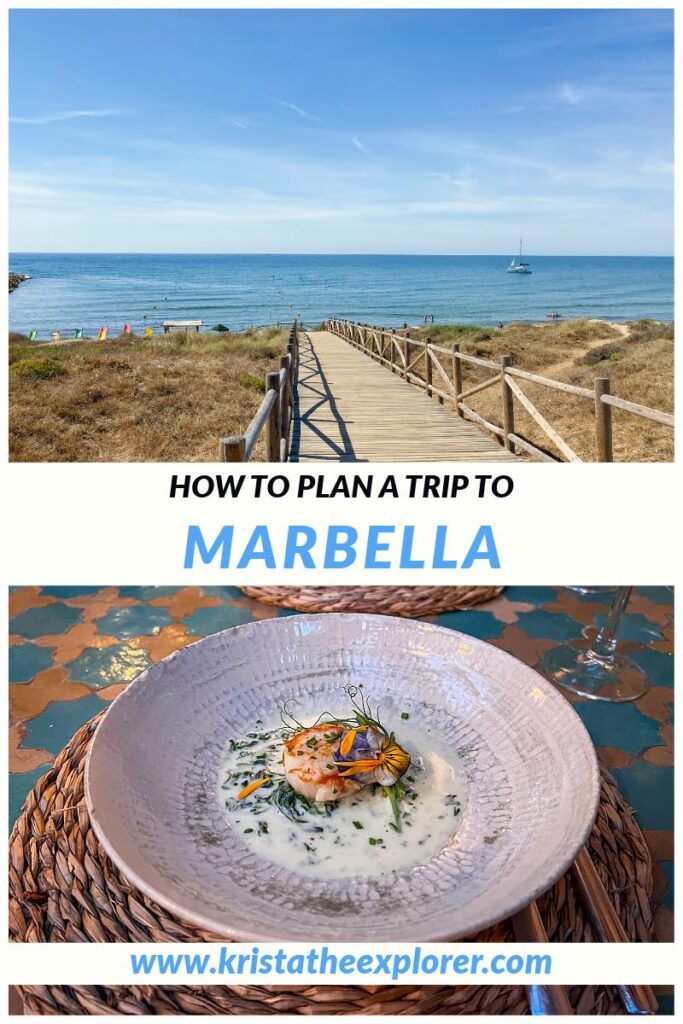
(586, 591)
(592, 666)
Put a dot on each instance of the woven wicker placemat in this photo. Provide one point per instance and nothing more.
(409, 602)
(63, 888)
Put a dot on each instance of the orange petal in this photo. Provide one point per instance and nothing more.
(248, 790)
(347, 742)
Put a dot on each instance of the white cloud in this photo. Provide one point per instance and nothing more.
(64, 115)
(568, 93)
(298, 110)
(355, 141)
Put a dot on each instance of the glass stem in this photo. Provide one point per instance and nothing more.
(605, 642)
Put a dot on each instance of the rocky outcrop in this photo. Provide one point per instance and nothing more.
(16, 279)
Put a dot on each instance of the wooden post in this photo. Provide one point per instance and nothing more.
(603, 421)
(409, 353)
(285, 402)
(273, 424)
(391, 350)
(232, 449)
(457, 377)
(428, 367)
(508, 407)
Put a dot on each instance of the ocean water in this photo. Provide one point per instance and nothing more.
(90, 291)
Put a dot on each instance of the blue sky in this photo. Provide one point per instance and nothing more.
(450, 131)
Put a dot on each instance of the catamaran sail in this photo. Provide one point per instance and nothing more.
(519, 267)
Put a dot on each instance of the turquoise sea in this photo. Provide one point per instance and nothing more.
(68, 291)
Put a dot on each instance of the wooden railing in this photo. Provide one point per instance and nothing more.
(274, 415)
(442, 377)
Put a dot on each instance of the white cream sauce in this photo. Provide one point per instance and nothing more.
(357, 835)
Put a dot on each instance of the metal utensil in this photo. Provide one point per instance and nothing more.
(608, 927)
(543, 999)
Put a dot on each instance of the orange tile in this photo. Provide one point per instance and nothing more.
(97, 605)
(185, 601)
(28, 699)
(612, 757)
(27, 597)
(68, 646)
(108, 693)
(22, 759)
(166, 641)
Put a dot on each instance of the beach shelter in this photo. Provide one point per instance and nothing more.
(102, 336)
(79, 332)
(56, 336)
(221, 328)
(148, 332)
(33, 335)
(126, 328)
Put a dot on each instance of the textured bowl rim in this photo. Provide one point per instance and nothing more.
(223, 930)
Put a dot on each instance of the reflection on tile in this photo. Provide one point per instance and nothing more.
(108, 665)
(141, 620)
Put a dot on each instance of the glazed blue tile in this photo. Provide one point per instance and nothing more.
(649, 789)
(63, 592)
(657, 665)
(147, 593)
(480, 624)
(205, 621)
(104, 666)
(531, 595)
(658, 595)
(57, 724)
(27, 659)
(140, 620)
(544, 625)
(20, 785)
(665, 1004)
(51, 618)
(619, 725)
(635, 628)
(667, 867)
(225, 593)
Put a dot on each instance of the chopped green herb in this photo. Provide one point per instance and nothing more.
(358, 824)
(405, 716)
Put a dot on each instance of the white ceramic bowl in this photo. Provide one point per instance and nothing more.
(531, 769)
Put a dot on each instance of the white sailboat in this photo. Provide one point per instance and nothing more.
(519, 267)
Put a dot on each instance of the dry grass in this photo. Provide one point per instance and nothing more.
(638, 359)
(166, 398)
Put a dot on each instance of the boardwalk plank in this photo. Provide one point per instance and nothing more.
(350, 408)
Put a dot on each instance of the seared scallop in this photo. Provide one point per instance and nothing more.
(309, 764)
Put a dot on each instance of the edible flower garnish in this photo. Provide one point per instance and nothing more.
(369, 755)
(366, 754)
(248, 790)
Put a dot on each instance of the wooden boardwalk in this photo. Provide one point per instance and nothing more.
(350, 408)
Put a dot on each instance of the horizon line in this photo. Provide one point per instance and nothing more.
(445, 255)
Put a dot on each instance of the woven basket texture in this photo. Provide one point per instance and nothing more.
(408, 602)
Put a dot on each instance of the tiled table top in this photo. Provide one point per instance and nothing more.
(73, 649)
